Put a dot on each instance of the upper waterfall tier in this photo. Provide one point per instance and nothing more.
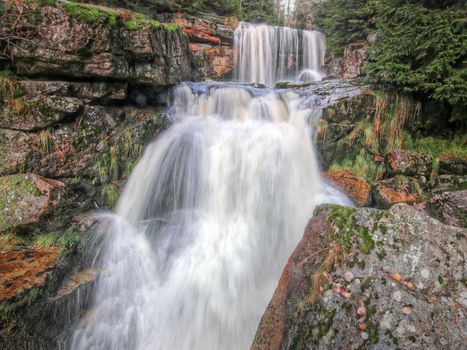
(266, 54)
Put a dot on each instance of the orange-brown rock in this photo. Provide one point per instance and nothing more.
(25, 268)
(399, 189)
(211, 42)
(200, 36)
(357, 189)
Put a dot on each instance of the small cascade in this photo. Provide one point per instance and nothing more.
(206, 223)
(267, 54)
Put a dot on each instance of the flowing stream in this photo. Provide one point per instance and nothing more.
(195, 248)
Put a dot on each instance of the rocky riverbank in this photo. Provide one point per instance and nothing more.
(82, 88)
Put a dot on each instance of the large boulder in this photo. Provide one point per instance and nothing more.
(411, 163)
(370, 279)
(44, 284)
(211, 43)
(66, 42)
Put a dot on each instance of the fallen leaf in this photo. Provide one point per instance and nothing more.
(406, 310)
(361, 311)
(396, 277)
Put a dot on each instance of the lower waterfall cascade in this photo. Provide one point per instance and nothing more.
(206, 222)
(193, 252)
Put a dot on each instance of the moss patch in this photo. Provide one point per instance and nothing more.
(137, 21)
(90, 14)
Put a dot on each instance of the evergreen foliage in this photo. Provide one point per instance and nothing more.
(421, 45)
(261, 11)
(344, 22)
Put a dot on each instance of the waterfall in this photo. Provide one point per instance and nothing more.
(204, 227)
(266, 54)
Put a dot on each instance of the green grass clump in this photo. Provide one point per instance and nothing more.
(137, 21)
(67, 240)
(9, 86)
(172, 27)
(90, 14)
(44, 3)
(361, 165)
(437, 147)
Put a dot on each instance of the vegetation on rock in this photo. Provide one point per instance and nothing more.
(419, 47)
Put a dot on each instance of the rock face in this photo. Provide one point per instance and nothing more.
(211, 43)
(339, 119)
(449, 208)
(26, 200)
(453, 165)
(355, 188)
(396, 190)
(364, 278)
(355, 56)
(75, 117)
(404, 162)
(65, 45)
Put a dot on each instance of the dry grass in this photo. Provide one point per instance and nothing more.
(334, 258)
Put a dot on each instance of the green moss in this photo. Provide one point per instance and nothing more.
(367, 243)
(44, 3)
(139, 21)
(440, 279)
(372, 330)
(326, 319)
(361, 164)
(109, 194)
(68, 240)
(172, 27)
(90, 14)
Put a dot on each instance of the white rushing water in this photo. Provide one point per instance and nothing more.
(197, 243)
(206, 223)
(268, 54)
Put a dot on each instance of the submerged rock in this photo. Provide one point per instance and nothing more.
(365, 278)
